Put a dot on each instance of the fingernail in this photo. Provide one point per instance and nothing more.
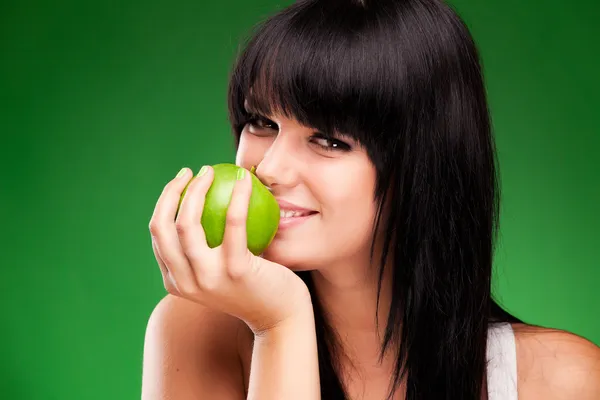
(240, 174)
(203, 170)
(181, 172)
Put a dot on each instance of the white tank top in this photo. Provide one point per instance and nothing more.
(502, 362)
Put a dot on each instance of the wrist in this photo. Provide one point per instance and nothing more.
(301, 318)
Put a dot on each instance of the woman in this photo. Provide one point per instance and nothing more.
(369, 120)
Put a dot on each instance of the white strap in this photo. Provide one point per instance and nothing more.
(502, 363)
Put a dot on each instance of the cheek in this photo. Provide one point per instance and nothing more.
(348, 189)
(350, 207)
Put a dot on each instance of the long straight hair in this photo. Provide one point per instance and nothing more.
(404, 79)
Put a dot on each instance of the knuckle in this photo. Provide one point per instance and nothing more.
(169, 284)
(188, 289)
(170, 288)
(235, 272)
(182, 227)
(235, 219)
(238, 268)
(207, 282)
(195, 256)
(154, 228)
(167, 260)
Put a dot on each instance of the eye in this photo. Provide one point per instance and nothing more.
(329, 143)
(256, 122)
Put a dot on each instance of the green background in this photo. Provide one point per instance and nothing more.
(103, 102)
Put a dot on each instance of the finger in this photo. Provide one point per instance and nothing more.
(188, 221)
(174, 188)
(168, 281)
(235, 248)
(164, 233)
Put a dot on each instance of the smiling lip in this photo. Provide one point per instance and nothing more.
(287, 206)
(289, 222)
(286, 223)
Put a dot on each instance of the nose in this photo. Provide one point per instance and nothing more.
(278, 165)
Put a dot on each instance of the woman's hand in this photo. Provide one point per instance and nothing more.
(228, 278)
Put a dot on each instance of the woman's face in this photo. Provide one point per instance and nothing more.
(330, 176)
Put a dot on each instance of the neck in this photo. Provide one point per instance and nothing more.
(350, 301)
(348, 297)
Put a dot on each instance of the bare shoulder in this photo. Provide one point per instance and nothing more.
(556, 364)
(191, 350)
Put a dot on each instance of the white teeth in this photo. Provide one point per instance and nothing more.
(292, 214)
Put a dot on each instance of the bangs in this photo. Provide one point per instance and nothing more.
(329, 66)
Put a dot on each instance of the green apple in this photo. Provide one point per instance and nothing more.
(263, 210)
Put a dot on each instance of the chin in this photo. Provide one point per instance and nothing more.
(296, 258)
